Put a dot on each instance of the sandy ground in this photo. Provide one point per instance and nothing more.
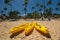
(53, 27)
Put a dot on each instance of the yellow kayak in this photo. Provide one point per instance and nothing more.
(18, 28)
(29, 29)
(41, 28)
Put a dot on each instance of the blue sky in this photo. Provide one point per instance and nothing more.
(18, 5)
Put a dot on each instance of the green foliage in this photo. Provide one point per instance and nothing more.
(41, 6)
(33, 7)
(13, 14)
(37, 4)
(25, 8)
(5, 8)
(49, 2)
(25, 2)
(29, 15)
(2, 11)
(7, 1)
(36, 15)
(56, 15)
(58, 3)
(48, 12)
(56, 8)
(4, 14)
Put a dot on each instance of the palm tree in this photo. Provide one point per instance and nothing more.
(33, 8)
(49, 3)
(13, 14)
(37, 15)
(57, 9)
(40, 6)
(29, 15)
(47, 10)
(1, 14)
(44, 6)
(25, 11)
(49, 13)
(25, 6)
(8, 2)
(40, 9)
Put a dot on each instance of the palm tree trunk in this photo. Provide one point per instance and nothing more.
(43, 11)
(25, 11)
(5, 7)
(11, 5)
(44, 6)
(25, 14)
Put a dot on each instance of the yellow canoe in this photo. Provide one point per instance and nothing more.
(29, 29)
(41, 28)
(18, 28)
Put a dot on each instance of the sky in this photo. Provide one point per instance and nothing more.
(17, 5)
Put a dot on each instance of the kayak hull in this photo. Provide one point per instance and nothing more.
(28, 30)
(41, 29)
(16, 29)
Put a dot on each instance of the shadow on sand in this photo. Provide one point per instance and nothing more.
(15, 34)
(46, 35)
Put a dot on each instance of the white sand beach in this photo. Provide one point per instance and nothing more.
(53, 28)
